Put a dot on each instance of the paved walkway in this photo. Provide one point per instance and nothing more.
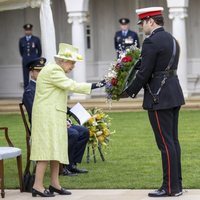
(104, 195)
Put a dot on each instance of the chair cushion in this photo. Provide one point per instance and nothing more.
(9, 152)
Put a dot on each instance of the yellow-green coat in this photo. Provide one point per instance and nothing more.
(49, 139)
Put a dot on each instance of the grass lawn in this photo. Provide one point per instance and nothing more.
(132, 159)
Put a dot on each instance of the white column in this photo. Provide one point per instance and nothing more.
(178, 15)
(47, 31)
(78, 40)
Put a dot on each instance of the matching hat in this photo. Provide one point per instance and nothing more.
(68, 52)
(124, 21)
(37, 63)
(28, 26)
(144, 13)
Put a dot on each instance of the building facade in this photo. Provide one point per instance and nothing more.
(91, 25)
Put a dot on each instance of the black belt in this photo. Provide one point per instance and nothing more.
(164, 73)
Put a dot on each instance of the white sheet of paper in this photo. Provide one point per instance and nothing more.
(81, 113)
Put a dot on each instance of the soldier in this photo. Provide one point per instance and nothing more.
(163, 95)
(125, 37)
(29, 48)
(34, 66)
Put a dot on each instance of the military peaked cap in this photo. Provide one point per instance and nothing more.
(37, 63)
(124, 21)
(28, 26)
(145, 13)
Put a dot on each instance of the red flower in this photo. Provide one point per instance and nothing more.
(114, 81)
(127, 59)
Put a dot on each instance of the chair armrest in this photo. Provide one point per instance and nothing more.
(6, 136)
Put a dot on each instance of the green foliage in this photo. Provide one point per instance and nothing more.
(119, 71)
(132, 157)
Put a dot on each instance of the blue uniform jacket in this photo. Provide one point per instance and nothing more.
(28, 97)
(29, 49)
(156, 53)
(122, 42)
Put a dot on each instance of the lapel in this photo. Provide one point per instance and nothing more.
(24, 38)
(127, 33)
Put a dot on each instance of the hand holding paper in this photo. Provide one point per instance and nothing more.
(80, 113)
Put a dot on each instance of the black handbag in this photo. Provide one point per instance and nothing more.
(29, 177)
(28, 181)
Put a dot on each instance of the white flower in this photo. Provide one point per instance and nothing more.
(94, 123)
(123, 54)
(98, 133)
(112, 74)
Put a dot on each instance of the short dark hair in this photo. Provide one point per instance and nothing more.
(158, 19)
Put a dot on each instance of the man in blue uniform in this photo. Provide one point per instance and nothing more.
(34, 66)
(125, 37)
(29, 48)
(78, 137)
(163, 95)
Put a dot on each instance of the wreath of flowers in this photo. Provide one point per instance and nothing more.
(118, 72)
(99, 128)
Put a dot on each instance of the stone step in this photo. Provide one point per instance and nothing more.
(12, 105)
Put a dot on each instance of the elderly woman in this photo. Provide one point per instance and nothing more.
(49, 118)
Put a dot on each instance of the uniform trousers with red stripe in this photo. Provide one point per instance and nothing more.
(165, 126)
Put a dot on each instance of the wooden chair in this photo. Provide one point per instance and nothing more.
(29, 164)
(28, 134)
(9, 152)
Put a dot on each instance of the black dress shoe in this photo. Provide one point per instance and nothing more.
(62, 191)
(176, 194)
(74, 169)
(158, 193)
(46, 193)
(66, 172)
(163, 193)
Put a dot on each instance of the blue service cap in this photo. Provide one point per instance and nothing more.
(124, 21)
(37, 63)
(28, 26)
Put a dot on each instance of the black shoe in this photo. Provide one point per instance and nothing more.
(74, 169)
(158, 193)
(46, 193)
(162, 193)
(66, 172)
(62, 191)
(177, 194)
